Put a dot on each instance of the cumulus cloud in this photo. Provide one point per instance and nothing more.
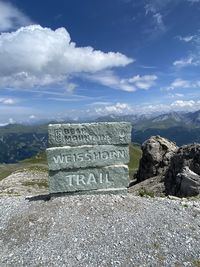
(132, 84)
(11, 17)
(183, 104)
(36, 56)
(143, 82)
(118, 109)
(125, 109)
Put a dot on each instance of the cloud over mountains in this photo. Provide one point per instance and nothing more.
(37, 56)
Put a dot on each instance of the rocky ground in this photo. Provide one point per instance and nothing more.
(107, 230)
(103, 230)
(24, 182)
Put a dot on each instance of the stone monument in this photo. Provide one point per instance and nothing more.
(88, 157)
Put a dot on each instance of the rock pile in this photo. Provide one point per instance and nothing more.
(89, 157)
(172, 170)
(157, 152)
(183, 175)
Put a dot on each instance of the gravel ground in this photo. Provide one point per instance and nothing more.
(101, 230)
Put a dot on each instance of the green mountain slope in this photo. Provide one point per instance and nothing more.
(135, 156)
(38, 163)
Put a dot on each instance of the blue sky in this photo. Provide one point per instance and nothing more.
(91, 58)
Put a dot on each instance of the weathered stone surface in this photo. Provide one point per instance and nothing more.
(157, 152)
(103, 133)
(109, 177)
(183, 175)
(188, 183)
(86, 156)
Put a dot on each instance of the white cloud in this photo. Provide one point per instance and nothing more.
(132, 84)
(186, 39)
(159, 21)
(118, 109)
(36, 56)
(154, 9)
(143, 82)
(193, 56)
(183, 104)
(194, 1)
(176, 95)
(125, 109)
(11, 17)
(179, 83)
(32, 117)
(11, 121)
(182, 84)
(109, 79)
(7, 101)
(184, 62)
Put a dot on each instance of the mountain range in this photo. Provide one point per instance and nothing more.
(18, 141)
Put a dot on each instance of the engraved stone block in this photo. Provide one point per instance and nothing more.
(86, 156)
(103, 133)
(110, 177)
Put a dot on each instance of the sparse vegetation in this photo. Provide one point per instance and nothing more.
(143, 193)
(196, 263)
(39, 183)
(135, 156)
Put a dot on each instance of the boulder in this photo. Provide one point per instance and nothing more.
(183, 175)
(157, 153)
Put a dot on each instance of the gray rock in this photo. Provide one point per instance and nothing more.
(157, 152)
(104, 133)
(89, 179)
(188, 183)
(86, 156)
(183, 175)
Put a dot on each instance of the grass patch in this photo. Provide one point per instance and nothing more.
(196, 263)
(135, 153)
(143, 193)
(4, 174)
(39, 183)
(38, 159)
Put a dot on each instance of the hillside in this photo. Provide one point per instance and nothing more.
(19, 142)
(36, 163)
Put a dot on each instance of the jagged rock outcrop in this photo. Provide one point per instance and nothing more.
(169, 169)
(157, 152)
(183, 175)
